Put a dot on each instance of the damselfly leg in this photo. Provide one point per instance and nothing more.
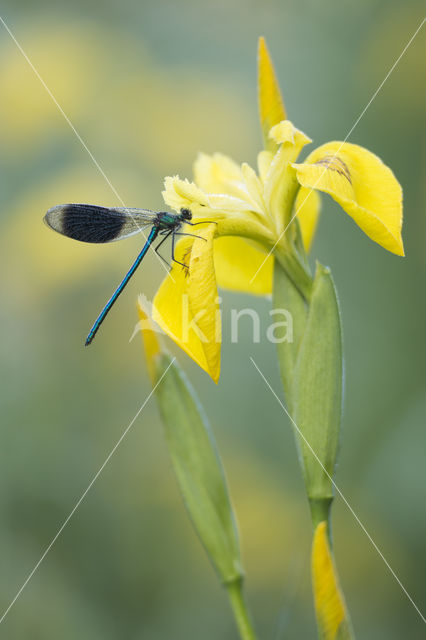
(166, 234)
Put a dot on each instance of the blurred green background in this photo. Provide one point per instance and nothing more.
(147, 85)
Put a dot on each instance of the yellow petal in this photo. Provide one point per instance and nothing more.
(329, 603)
(228, 204)
(236, 261)
(218, 174)
(150, 341)
(264, 159)
(254, 188)
(271, 106)
(186, 305)
(227, 185)
(307, 209)
(364, 187)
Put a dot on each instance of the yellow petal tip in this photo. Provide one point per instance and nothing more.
(271, 105)
(400, 249)
(329, 601)
(285, 131)
(151, 342)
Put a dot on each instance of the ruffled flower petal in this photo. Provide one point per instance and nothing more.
(218, 173)
(183, 193)
(219, 176)
(364, 187)
(233, 216)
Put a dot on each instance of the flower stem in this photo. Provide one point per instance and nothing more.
(320, 510)
(296, 271)
(239, 608)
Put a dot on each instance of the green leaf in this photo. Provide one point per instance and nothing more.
(317, 387)
(198, 469)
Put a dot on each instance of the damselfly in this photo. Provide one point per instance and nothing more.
(90, 223)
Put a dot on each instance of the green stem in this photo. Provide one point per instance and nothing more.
(320, 511)
(239, 608)
(295, 269)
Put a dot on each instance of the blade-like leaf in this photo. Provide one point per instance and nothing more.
(317, 387)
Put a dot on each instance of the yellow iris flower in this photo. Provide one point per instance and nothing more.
(252, 217)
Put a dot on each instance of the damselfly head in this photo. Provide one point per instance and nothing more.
(186, 214)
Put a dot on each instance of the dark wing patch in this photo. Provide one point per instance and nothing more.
(90, 223)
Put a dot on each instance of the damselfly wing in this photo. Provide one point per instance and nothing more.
(90, 223)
